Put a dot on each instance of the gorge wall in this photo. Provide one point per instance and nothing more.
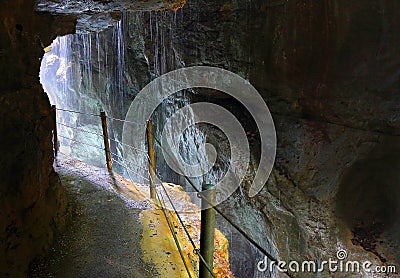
(32, 201)
(328, 71)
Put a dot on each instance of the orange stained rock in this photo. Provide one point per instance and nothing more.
(159, 247)
(178, 5)
(157, 242)
(158, 238)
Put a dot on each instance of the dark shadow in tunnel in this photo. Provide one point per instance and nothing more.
(368, 200)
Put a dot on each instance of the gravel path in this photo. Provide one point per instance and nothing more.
(104, 233)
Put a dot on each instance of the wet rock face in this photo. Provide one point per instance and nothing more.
(321, 60)
(332, 61)
(328, 72)
(96, 15)
(104, 6)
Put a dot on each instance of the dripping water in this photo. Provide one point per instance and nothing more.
(81, 90)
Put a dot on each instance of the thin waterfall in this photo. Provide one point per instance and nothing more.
(119, 43)
(111, 90)
(87, 60)
(99, 63)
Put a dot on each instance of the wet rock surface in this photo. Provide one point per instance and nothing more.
(99, 6)
(327, 72)
(94, 16)
(324, 61)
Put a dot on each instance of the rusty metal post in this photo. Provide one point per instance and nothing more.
(55, 136)
(106, 143)
(208, 197)
(150, 150)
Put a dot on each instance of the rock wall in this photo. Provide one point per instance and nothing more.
(32, 201)
(328, 72)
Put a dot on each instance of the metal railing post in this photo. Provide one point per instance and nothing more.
(55, 136)
(150, 150)
(106, 143)
(208, 197)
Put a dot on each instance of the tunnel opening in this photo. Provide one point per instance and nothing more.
(86, 73)
(368, 200)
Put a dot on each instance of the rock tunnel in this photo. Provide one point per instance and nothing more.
(328, 71)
